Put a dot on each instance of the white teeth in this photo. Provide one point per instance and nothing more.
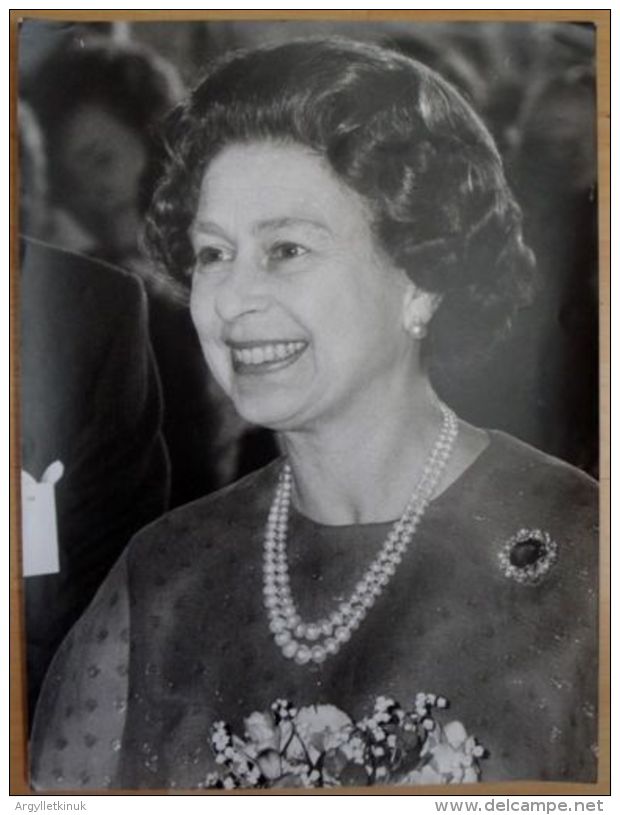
(266, 353)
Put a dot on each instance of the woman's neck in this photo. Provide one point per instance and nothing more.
(364, 469)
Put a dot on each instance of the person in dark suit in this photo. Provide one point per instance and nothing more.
(90, 398)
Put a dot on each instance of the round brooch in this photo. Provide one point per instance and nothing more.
(528, 555)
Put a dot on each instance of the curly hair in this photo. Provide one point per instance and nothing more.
(395, 132)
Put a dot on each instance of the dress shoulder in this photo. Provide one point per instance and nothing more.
(522, 462)
(518, 487)
(222, 515)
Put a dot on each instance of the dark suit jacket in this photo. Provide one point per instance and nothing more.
(90, 397)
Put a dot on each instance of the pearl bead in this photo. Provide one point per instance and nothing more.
(318, 654)
(343, 634)
(290, 649)
(313, 632)
(281, 581)
(303, 655)
(282, 637)
(400, 549)
(277, 625)
(285, 595)
(332, 646)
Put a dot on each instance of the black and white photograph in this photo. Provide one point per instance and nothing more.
(308, 403)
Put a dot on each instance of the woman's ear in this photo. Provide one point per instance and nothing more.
(419, 306)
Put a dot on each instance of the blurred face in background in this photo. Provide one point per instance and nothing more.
(99, 164)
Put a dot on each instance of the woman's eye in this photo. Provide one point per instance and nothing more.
(287, 250)
(208, 255)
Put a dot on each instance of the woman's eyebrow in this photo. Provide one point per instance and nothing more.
(278, 223)
(208, 227)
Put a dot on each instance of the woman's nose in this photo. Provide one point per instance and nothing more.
(243, 290)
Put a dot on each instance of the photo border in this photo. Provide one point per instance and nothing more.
(18, 764)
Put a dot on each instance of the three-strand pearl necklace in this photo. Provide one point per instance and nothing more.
(314, 642)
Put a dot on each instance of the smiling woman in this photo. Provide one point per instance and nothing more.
(292, 266)
(326, 206)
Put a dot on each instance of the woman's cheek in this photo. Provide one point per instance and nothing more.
(200, 307)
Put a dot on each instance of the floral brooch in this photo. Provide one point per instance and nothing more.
(528, 555)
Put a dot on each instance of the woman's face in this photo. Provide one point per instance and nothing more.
(299, 314)
(101, 163)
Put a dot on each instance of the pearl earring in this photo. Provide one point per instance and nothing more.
(418, 330)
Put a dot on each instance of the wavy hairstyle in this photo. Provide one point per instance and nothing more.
(392, 130)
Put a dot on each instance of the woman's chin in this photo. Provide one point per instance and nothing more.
(274, 414)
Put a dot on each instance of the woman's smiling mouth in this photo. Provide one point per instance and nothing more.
(263, 357)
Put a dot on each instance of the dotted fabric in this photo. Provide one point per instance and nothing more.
(82, 713)
(178, 638)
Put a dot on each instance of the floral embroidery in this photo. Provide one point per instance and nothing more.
(320, 746)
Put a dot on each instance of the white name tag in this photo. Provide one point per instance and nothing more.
(39, 527)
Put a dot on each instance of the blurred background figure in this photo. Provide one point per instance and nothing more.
(99, 102)
(554, 160)
(91, 400)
